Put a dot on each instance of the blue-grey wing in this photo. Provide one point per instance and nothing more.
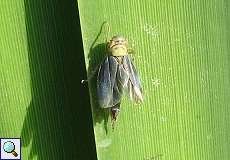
(105, 82)
(120, 84)
(112, 80)
(134, 84)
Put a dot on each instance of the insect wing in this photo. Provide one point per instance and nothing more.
(112, 79)
(120, 84)
(134, 84)
(105, 82)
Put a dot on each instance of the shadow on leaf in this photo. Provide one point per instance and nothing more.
(58, 123)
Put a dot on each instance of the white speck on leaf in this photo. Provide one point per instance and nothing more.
(151, 30)
(163, 119)
(156, 82)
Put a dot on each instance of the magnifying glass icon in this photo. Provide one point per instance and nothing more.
(9, 147)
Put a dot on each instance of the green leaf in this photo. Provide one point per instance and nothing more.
(40, 73)
(182, 55)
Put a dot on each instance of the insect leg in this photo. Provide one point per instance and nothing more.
(90, 75)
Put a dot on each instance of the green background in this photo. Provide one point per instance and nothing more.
(41, 65)
(182, 55)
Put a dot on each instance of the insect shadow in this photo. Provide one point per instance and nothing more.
(96, 54)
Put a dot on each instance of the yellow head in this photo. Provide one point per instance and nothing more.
(118, 46)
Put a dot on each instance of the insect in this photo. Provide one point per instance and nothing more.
(116, 75)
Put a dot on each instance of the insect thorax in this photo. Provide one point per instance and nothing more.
(117, 46)
(119, 51)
